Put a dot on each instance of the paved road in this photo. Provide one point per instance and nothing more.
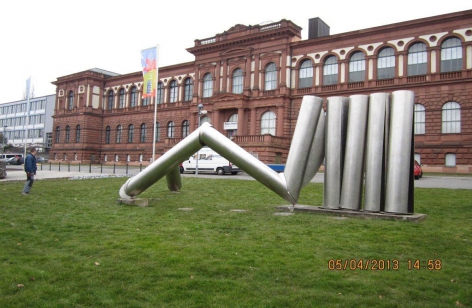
(15, 173)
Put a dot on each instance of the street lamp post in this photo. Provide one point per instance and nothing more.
(200, 112)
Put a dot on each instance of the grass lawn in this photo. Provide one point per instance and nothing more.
(69, 244)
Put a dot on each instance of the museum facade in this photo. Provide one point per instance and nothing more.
(250, 80)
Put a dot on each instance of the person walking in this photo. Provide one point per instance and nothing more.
(30, 169)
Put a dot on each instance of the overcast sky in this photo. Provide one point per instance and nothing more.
(46, 39)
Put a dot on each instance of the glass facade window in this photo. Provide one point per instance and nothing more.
(107, 134)
(110, 100)
(330, 71)
(451, 118)
(133, 97)
(170, 130)
(386, 64)
(207, 85)
(270, 77)
(70, 100)
(130, 133)
(238, 81)
(417, 60)
(143, 133)
(185, 128)
(119, 131)
(188, 89)
(121, 99)
(268, 121)
(306, 74)
(451, 55)
(419, 119)
(173, 94)
(160, 93)
(77, 133)
(357, 67)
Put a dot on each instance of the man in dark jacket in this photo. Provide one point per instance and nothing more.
(30, 169)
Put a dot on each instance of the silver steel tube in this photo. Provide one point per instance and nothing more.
(302, 140)
(163, 165)
(174, 181)
(353, 174)
(317, 152)
(374, 191)
(400, 151)
(246, 162)
(336, 124)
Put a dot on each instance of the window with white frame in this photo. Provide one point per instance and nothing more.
(451, 55)
(185, 128)
(133, 97)
(386, 64)
(119, 131)
(357, 67)
(142, 135)
(238, 81)
(268, 123)
(77, 133)
(67, 134)
(305, 79)
(417, 59)
(188, 89)
(207, 85)
(121, 98)
(420, 117)
(107, 134)
(130, 133)
(110, 100)
(170, 129)
(173, 91)
(270, 77)
(451, 118)
(160, 92)
(70, 100)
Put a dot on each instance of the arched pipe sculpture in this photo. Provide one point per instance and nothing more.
(372, 132)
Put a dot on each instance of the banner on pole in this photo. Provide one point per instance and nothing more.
(149, 64)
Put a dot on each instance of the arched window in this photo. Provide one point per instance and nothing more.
(451, 118)
(207, 85)
(450, 160)
(133, 97)
(419, 119)
(330, 71)
(185, 128)
(270, 77)
(77, 134)
(142, 135)
(451, 55)
(130, 133)
(386, 64)
(204, 119)
(188, 89)
(173, 91)
(107, 134)
(70, 100)
(268, 123)
(67, 134)
(306, 74)
(111, 100)
(417, 59)
(160, 94)
(158, 131)
(119, 131)
(238, 81)
(357, 67)
(121, 98)
(170, 129)
(58, 134)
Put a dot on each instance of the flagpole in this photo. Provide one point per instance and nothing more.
(155, 106)
(28, 83)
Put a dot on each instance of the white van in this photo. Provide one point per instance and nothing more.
(209, 162)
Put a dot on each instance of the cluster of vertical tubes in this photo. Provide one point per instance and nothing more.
(369, 153)
(361, 138)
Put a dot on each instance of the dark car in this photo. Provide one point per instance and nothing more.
(417, 171)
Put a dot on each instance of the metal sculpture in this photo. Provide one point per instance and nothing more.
(354, 130)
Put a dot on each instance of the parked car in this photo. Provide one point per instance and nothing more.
(15, 161)
(41, 160)
(417, 171)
